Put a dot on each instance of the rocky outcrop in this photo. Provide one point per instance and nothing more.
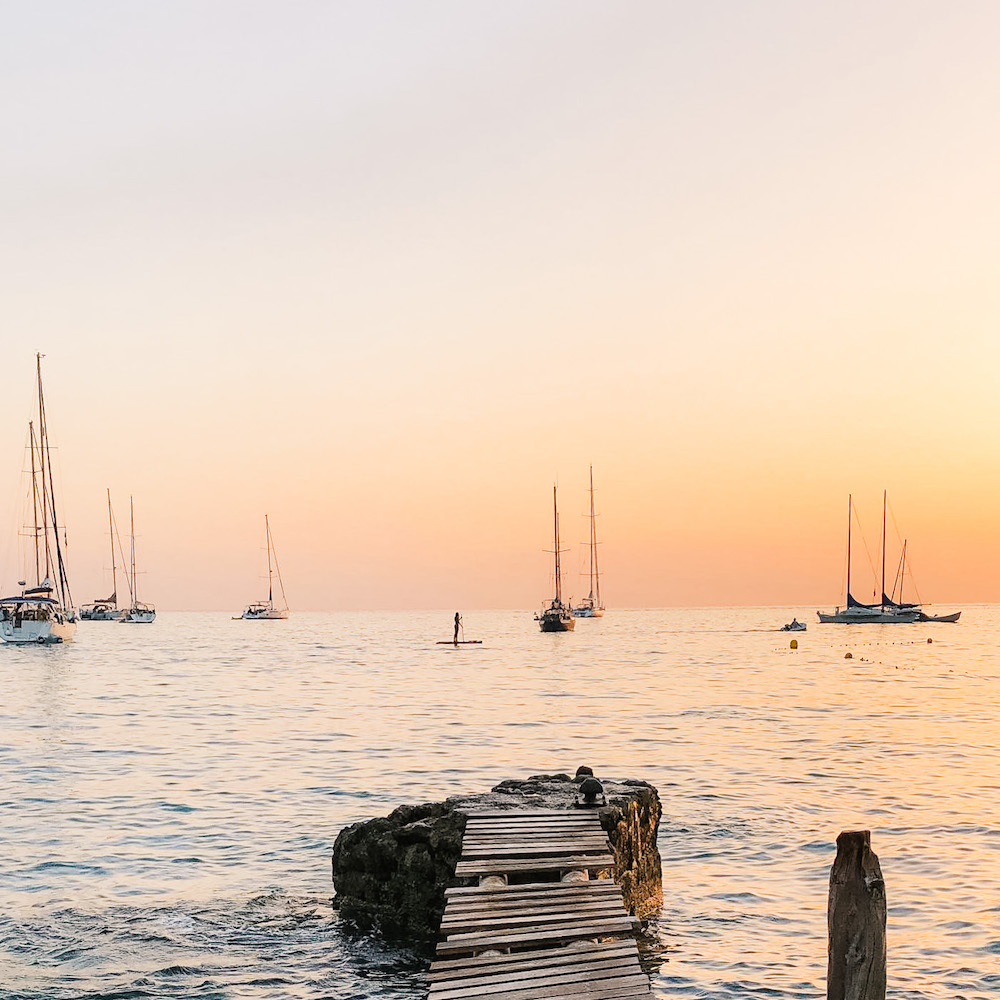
(390, 873)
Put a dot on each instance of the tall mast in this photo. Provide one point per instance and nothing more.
(850, 510)
(34, 501)
(42, 461)
(595, 577)
(555, 519)
(267, 533)
(111, 536)
(882, 598)
(131, 531)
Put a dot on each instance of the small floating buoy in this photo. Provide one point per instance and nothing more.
(930, 640)
(794, 644)
(848, 656)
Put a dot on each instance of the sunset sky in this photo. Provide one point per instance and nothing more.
(385, 271)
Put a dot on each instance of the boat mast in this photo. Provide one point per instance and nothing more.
(131, 531)
(555, 519)
(34, 501)
(850, 510)
(270, 588)
(882, 598)
(62, 583)
(111, 537)
(595, 578)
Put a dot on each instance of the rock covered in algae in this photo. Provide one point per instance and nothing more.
(390, 873)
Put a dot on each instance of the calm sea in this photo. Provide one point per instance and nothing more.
(169, 794)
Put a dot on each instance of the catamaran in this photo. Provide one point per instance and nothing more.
(556, 617)
(857, 613)
(43, 612)
(268, 609)
(105, 609)
(592, 606)
(137, 612)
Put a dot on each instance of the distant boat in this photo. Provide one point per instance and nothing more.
(106, 609)
(793, 626)
(268, 609)
(856, 613)
(42, 613)
(137, 612)
(592, 606)
(556, 617)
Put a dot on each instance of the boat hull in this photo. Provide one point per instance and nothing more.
(268, 615)
(556, 624)
(940, 618)
(139, 617)
(868, 616)
(37, 633)
(109, 615)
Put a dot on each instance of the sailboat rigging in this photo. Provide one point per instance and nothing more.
(269, 609)
(592, 606)
(42, 613)
(556, 617)
(137, 612)
(106, 608)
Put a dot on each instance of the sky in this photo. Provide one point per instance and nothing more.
(387, 271)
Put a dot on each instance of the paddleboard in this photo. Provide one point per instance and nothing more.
(461, 642)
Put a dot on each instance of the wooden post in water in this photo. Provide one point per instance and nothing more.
(856, 921)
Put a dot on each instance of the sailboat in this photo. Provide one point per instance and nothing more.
(105, 609)
(268, 609)
(857, 613)
(43, 612)
(592, 606)
(137, 612)
(556, 617)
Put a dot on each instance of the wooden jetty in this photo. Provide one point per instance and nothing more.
(545, 920)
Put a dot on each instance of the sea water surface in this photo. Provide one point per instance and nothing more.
(170, 793)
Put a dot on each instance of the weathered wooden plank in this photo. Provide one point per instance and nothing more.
(518, 849)
(534, 936)
(579, 953)
(526, 888)
(603, 989)
(581, 979)
(501, 921)
(553, 863)
(515, 908)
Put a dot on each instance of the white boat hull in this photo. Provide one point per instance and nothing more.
(138, 617)
(37, 633)
(271, 613)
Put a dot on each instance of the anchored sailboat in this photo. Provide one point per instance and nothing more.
(106, 609)
(885, 613)
(137, 613)
(556, 617)
(42, 613)
(268, 609)
(592, 606)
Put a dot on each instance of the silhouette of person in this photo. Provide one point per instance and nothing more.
(458, 623)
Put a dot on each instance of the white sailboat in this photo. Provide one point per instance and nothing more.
(43, 612)
(269, 609)
(556, 616)
(137, 612)
(105, 609)
(592, 606)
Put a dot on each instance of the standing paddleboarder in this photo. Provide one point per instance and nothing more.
(458, 625)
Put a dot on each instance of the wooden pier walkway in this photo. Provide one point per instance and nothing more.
(556, 929)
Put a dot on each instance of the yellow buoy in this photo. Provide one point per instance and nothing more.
(848, 656)
(794, 644)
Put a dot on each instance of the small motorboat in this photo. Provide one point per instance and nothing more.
(794, 626)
